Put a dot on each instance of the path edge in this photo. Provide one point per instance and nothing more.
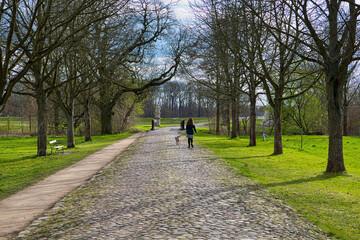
(20, 209)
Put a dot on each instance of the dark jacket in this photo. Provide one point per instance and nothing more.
(190, 129)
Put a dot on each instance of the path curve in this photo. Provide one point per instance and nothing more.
(158, 190)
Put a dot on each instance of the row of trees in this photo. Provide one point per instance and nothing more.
(281, 49)
(96, 54)
(85, 53)
(179, 99)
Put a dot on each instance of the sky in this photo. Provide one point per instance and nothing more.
(181, 9)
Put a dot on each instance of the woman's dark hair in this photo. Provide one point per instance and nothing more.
(190, 121)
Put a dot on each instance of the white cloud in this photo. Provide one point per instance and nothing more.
(181, 9)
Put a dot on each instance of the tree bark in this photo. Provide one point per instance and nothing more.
(345, 122)
(238, 132)
(334, 99)
(106, 120)
(252, 119)
(233, 117)
(87, 123)
(56, 120)
(70, 128)
(217, 117)
(277, 128)
(226, 117)
(42, 123)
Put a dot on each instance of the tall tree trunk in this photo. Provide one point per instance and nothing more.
(106, 120)
(233, 118)
(106, 104)
(70, 128)
(217, 104)
(226, 117)
(234, 114)
(277, 128)
(87, 123)
(238, 132)
(42, 123)
(70, 115)
(252, 119)
(217, 117)
(56, 120)
(345, 121)
(334, 99)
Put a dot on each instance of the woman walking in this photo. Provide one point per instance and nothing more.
(190, 128)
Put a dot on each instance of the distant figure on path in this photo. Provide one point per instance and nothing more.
(190, 128)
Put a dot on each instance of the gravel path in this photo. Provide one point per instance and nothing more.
(158, 190)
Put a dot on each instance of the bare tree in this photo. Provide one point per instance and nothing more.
(331, 35)
(41, 28)
(283, 73)
(240, 30)
(72, 86)
(24, 27)
(123, 44)
(221, 69)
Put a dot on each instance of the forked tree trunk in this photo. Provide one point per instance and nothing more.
(42, 123)
(335, 157)
(277, 128)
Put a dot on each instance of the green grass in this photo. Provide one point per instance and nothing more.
(20, 167)
(13, 125)
(297, 177)
(6, 119)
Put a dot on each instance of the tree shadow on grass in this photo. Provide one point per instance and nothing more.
(320, 177)
(20, 159)
(241, 158)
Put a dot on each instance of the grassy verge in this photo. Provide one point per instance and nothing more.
(20, 167)
(297, 177)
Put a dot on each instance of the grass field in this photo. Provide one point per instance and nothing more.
(297, 177)
(20, 167)
(13, 125)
